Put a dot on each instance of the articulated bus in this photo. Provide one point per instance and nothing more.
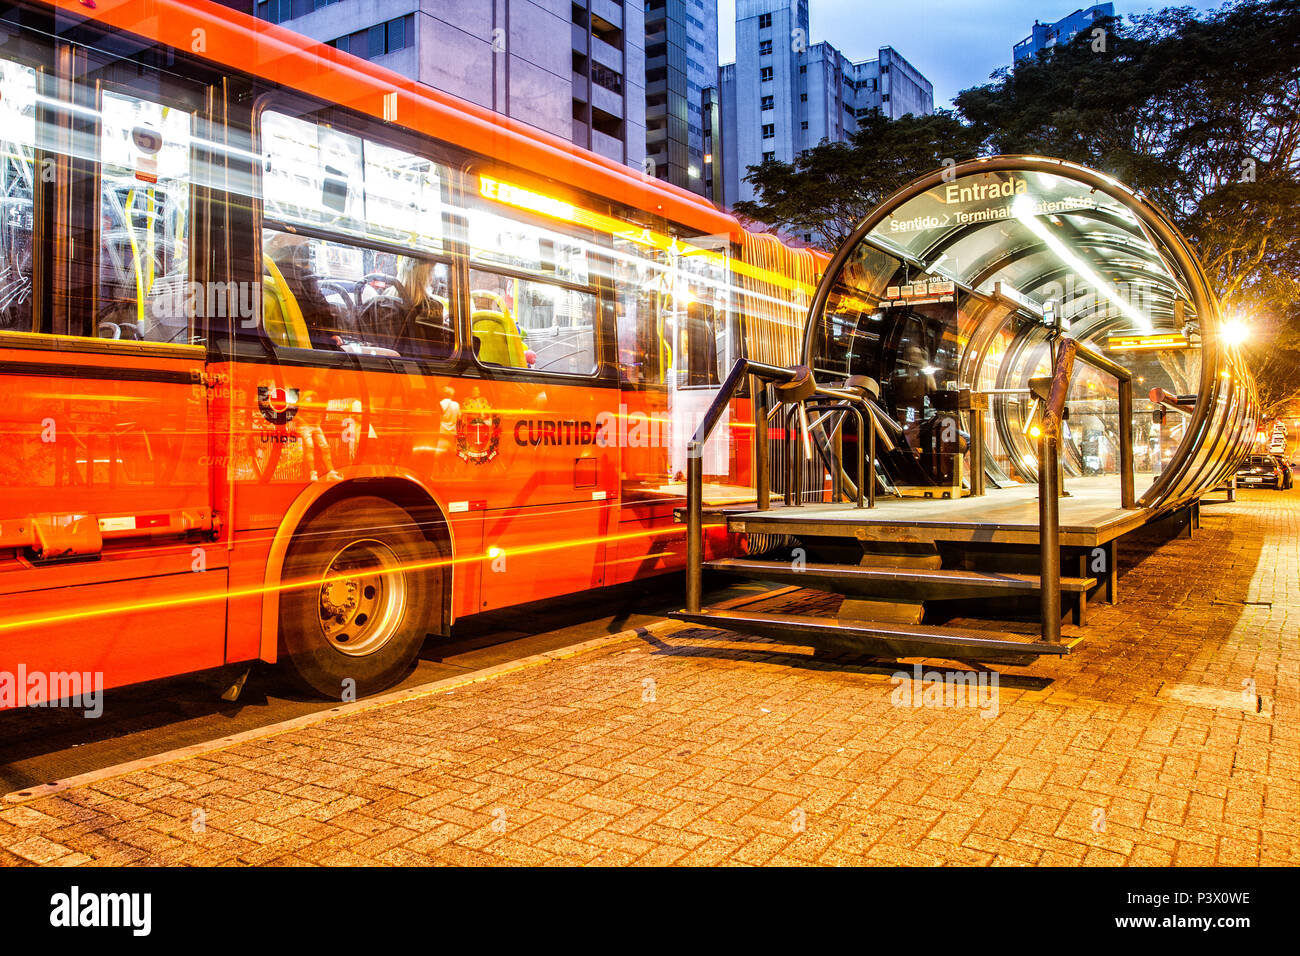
(303, 361)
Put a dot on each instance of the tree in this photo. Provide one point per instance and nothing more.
(829, 189)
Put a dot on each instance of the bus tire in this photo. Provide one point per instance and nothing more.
(370, 595)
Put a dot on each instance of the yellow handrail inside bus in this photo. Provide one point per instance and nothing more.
(135, 261)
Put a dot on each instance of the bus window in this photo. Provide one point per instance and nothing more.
(543, 318)
(519, 322)
(368, 273)
(17, 181)
(699, 346)
(333, 295)
(644, 348)
(144, 291)
(700, 313)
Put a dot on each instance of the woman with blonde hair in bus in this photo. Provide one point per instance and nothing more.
(428, 320)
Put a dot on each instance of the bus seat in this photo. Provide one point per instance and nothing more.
(281, 316)
(499, 340)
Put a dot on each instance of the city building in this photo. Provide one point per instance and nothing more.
(681, 48)
(784, 95)
(575, 68)
(1046, 35)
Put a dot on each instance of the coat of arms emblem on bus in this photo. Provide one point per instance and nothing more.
(278, 405)
(478, 432)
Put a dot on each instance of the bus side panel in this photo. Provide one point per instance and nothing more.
(151, 627)
(107, 513)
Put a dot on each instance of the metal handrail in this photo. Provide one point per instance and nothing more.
(1049, 492)
(695, 462)
(763, 374)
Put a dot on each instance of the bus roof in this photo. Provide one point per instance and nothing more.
(290, 59)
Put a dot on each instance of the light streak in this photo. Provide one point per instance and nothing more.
(263, 590)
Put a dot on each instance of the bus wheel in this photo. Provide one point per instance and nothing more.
(367, 598)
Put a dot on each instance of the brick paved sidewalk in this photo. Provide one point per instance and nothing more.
(1146, 747)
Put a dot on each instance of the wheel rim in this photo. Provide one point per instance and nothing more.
(362, 598)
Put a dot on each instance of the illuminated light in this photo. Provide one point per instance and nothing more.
(1234, 332)
(708, 157)
(1023, 209)
(1140, 343)
(224, 594)
(929, 370)
(522, 198)
(494, 552)
(1035, 431)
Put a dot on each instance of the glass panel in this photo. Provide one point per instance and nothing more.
(313, 175)
(332, 295)
(403, 197)
(17, 179)
(644, 349)
(319, 176)
(524, 323)
(708, 344)
(144, 211)
(522, 245)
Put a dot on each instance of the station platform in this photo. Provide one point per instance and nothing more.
(1089, 516)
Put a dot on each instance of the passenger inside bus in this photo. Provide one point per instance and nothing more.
(293, 257)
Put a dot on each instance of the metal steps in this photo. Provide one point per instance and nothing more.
(902, 583)
(879, 639)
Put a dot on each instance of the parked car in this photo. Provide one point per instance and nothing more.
(1263, 471)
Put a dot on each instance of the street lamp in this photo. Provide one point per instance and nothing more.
(1235, 331)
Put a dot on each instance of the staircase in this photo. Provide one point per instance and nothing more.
(888, 588)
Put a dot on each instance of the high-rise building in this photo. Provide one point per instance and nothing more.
(575, 68)
(1045, 35)
(681, 47)
(783, 95)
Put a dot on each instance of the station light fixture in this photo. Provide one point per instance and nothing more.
(1023, 209)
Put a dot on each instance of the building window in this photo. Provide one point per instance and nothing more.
(764, 21)
(604, 77)
(765, 74)
(885, 98)
(803, 97)
(769, 102)
(803, 125)
(803, 69)
(765, 48)
(769, 157)
(389, 37)
(769, 130)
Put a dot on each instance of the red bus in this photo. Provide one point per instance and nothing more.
(303, 361)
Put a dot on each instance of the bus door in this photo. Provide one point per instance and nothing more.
(532, 421)
(107, 520)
